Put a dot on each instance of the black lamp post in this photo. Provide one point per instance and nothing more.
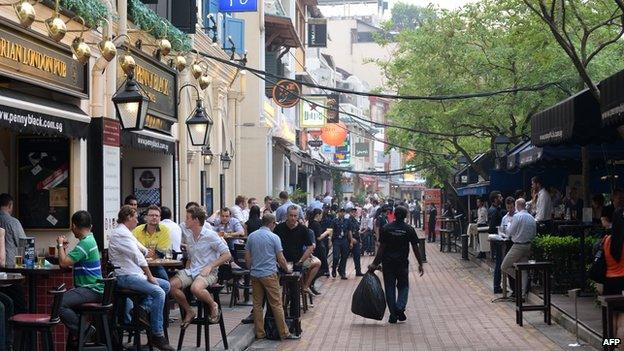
(198, 123)
(131, 105)
(501, 146)
(226, 160)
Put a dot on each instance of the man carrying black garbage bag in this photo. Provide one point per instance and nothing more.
(394, 240)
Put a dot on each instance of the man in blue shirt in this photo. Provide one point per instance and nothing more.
(263, 253)
(342, 242)
(317, 203)
(281, 212)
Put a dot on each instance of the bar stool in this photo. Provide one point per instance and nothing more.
(98, 311)
(135, 327)
(203, 314)
(545, 268)
(32, 323)
(239, 274)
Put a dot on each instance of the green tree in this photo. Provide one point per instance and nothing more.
(407, 16)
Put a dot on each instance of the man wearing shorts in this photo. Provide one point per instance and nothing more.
(206, 252)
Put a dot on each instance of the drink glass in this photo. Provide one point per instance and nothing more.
(19, 261)
(41, 261)
(168, 254)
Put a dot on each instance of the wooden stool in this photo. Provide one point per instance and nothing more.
(203, 313)
(545, 268)
(32, 323)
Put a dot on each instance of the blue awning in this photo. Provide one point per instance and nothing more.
(474, 189)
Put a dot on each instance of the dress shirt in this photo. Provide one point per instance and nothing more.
(482, 216)
(237, 212)
(504, 227)
(543, 206)
(203, 251)
(281, 212)
(316, 204)
(327, 200)
(233, 225)
(522, 228)
(175, 233)
(264, 246)
(246, 215)
(126, 252)
(13, 233)
(185, 230)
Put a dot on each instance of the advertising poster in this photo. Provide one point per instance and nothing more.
(147, 186)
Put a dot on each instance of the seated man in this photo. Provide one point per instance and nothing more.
(295, 237)
(133, 273)
(206, 252)
(85, 258)
(229, 227)
(155, 237)
(312, 266)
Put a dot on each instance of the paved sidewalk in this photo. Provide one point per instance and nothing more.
(449, 309)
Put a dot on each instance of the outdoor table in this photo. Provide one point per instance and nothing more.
(497, 246)
(610, 304)
(446, 233)
(581, 230)
(10, 279)
(31, 273)
(164, 262)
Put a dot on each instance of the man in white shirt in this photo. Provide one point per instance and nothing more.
(522, 230)
(206, 252)
(252, 201)
(510, 205)
(133, 273)
(482, 213)
(543, 205)
(240, 203)
(175, 232)
(327, 200)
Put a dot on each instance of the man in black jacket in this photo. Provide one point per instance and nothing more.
(495, 216)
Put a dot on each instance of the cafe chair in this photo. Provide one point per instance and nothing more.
(203, 314)
(135, 327)
(239, 274)
(97, 311)
(27, 324)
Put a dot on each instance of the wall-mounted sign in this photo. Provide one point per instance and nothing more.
(147, 187)
(317, 32)
(315, 143)
(313, 114)
(144, 142)
(286, 93)
(342, 154)
(333, 108)
(362, 150)
(158, 80)
(159, 124)
(238, 5)
(35, 59)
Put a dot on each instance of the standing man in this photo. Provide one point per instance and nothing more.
(133, 273)
(495, 216)
(542, 207)
(393, 254)
(175, 232)
(433, 214)
(482, 213)
(240, 203)
(252, 201)
(417, 214)
(155, 238)
(262, 253)
(281, 212)
(317, 203)
(342, 241)
(85, 259)
(267, 204)
(327, 200)
(356, 242)
(522, 230)
(206, 252)
(14, 232)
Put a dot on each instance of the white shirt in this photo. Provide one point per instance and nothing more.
(126, 252)
(186, 231)
(327, 200)
(237, 212)
(175, 233)
(349, 205)
(482, 215)
(543, 206)
(246, 215)
(522, 228)
(505, 222)
(203, 251)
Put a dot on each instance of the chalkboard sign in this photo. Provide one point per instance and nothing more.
(43, 182)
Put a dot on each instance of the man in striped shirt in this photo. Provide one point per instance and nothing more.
(85, 258)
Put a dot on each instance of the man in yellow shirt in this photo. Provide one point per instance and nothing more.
(155, 238)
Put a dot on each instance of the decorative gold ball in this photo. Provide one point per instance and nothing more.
(197, 70)
(81, 50)
(180, 63)
(127, 64)
(204, 81)
(56, 28)
(107, 49)
(25, 13)
(164, 46)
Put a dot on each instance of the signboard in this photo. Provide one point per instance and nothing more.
(317, 32)
(342, 154)
(315, 143)
(328, 149)
(159, 82)
(40, 123)
(144, 142)
(35, 59)
(313, 116)
(286, 93)
(333, 108)
(147, 187)
(362, 150)
(238, 5)
(111, 165)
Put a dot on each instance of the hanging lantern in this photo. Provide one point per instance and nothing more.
(334, 134)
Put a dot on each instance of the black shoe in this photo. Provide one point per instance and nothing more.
(343, 277)
(334, 273)
(401, 315)
(314, 291)
(142, 315)
(498, 290)
(161, 343)
(392, 319)
(359, 274)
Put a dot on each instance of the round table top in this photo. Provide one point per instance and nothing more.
(163, 262)
(35, 270)
(10, 278)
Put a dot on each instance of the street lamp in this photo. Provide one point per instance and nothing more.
(226, 160)
(131, 105)
(208, 155)
(198, 123)
(501, 146)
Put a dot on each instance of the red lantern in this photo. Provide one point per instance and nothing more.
(334, 134)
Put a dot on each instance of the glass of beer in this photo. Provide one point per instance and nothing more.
(19, 261)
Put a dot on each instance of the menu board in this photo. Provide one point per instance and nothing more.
(43, 182)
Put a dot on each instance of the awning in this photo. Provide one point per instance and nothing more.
(575, 120)
(555, 155)
(280, 31)
(513, 157)
(149, 141)
(474, 189)
(612, 100)
(30, 114)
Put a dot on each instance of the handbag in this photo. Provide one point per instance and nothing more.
(598, 269)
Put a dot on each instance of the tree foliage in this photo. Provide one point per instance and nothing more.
(408, 16)
(484, 46)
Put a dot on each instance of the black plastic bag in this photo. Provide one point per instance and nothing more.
(368, 298)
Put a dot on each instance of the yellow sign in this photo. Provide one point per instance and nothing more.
(32, 58)
(152, 80)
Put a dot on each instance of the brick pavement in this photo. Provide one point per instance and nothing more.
(449, 308)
